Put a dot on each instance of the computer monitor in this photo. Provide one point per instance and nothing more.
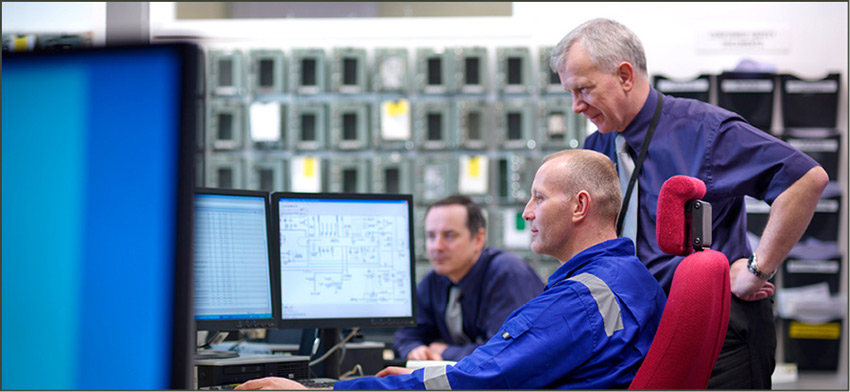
(235, 268)
(98, 172)
(346, 260)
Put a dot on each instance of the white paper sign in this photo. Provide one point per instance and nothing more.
(265, 121)
(473, 174)
(395, 120)
(306, 174)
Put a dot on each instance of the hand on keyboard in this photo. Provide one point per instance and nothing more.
(318, 383)
(285, 383)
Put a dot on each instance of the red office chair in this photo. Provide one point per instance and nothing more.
(696, 316)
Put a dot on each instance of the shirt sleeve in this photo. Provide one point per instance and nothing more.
(425, 331)
(747, 161)
(399, 382)
(529, 350)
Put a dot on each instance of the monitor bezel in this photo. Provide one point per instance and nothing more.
(340, 322)
(274, 267)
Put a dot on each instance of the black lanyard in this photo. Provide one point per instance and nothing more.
(639, 163)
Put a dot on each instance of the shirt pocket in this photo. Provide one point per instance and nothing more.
(515, 327)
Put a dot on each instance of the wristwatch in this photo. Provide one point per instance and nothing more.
(753, 266)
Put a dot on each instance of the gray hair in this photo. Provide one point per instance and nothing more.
(607, 44)
(594, 172)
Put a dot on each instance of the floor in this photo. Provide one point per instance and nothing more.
(814, 380)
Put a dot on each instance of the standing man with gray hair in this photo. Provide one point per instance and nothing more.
(602, 63)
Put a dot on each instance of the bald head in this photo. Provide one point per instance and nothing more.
(590, 171)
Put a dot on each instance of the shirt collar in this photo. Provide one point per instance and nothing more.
(637, 128)
(616, 247)
(473, 276)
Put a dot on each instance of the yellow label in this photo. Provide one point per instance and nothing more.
(397, 108)
(309, 167)
(21, 44)
(475, 166)
(801, 330)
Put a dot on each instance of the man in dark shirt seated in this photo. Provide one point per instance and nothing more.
(491, 284)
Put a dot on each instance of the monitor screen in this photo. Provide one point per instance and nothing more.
(233, 266)
(98, 168)
(346, 260)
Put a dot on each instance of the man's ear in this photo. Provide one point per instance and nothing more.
(480, 238)
(581, 208)
(626, 76)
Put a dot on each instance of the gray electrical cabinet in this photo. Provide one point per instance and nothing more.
(307, 126)
(226, 125)
(515, 124)
(225, 171)
(431, 125)
(226, 72)
(391, 72)
(434, 71)
(473, 121)
(267, 174)
(348, 73)
(549, 81)
(349, 125)
(471, 70)
(513, 70)
(307, 71)
(436, 177)
(348, 175)
(559, 127)
(267, 74)
(392, 173)
(512, 175)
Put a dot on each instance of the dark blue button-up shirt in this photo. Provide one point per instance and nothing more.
(498, 283)
(719, 147)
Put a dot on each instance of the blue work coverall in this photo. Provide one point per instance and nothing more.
(589, 329)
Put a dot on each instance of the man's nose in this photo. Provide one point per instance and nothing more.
(579, 105)
(526, 213)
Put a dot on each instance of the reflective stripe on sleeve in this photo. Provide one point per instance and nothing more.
(605, 301)
(435, 378)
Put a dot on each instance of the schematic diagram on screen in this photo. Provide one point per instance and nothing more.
(345, 257)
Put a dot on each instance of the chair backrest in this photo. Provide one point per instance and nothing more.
(696, 315)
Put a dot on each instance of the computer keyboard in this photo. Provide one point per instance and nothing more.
(226, 387)
(322, 383)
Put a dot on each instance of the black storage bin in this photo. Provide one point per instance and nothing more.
(822, 144)
(812, 346)
(749, 94)
(809, 103)
(698, 88)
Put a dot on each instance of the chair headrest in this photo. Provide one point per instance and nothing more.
(672, 226)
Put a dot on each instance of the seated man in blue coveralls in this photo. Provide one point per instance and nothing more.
(596, 318)
(487, 284)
